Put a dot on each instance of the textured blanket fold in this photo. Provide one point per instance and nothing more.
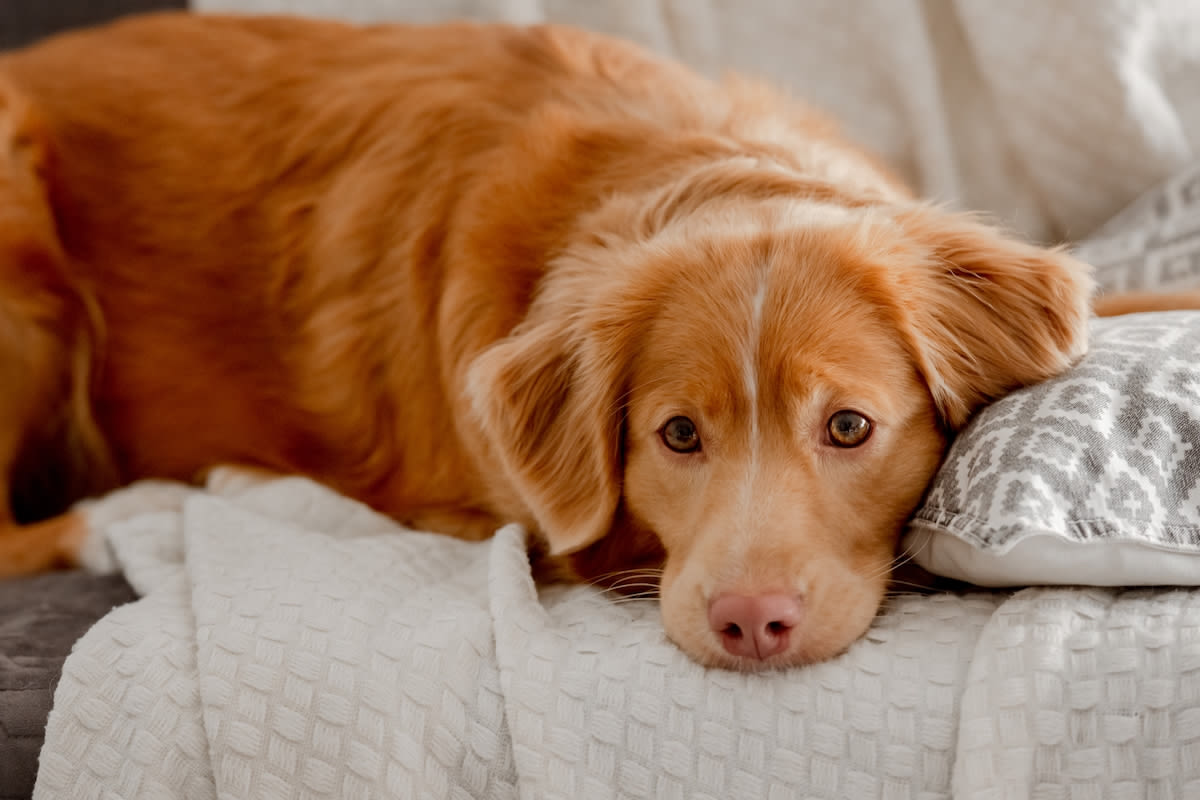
(291, 643)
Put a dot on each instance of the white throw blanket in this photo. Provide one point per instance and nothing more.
(1051, 114)
(292, 644)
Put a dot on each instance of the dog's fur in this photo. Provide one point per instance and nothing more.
(466, 274)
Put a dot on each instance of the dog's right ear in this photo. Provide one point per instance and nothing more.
(547, 400)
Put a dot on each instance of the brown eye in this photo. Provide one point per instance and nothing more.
(680, 435)
(849, 429)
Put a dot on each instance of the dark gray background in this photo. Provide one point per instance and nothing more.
(22, 21)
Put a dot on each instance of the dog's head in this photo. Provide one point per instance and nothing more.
(756, 396)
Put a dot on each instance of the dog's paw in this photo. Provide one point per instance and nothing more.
(87, 547)
(87, 543)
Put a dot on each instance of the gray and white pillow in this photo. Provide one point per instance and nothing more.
(1089, 478)
(1093, 477)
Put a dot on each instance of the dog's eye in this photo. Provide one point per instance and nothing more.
(849, 429)
(680, 435)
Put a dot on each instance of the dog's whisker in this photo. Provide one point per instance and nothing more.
(899, 561)
(894, 582)
(626, 588)
(636, 576)
(892, 565)
(620, 579)
(622, 589)
(626, 600)
(626, 572)
(630, 571)
(641, 589)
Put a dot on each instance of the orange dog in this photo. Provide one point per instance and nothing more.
(472, 274)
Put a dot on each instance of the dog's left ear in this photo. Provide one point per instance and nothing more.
(987, 313)
(548, 402)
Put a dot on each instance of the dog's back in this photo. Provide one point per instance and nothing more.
(248, 219)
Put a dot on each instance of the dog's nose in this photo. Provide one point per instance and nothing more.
(754, 626)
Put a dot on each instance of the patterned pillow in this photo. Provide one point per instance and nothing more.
(1089, 478)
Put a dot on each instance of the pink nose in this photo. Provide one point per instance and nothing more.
(754, 626)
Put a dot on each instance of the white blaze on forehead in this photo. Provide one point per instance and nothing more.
(753, 345)
(750, 361)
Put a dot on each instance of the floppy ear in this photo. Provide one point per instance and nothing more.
(547, 401)
(987, 314)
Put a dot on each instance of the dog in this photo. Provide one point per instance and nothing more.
(683, 331)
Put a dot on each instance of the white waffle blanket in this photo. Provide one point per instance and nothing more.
(292, 644)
